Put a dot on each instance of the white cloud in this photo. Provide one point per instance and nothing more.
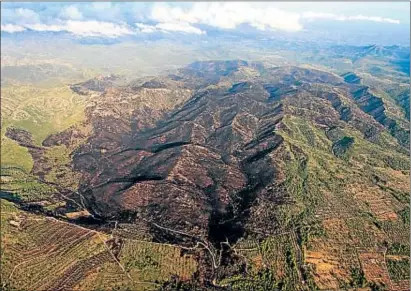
(315, 15)
(145, 28)
(374, 18)
(330, 16)
(71, 12)
(85, 28)
(97, 28)
(179, 27)
(45, 27)
(169, 27)
(228, 15)
(11, 28)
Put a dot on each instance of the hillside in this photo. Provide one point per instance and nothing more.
(223, 174)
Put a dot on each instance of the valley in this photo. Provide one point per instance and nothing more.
(220, 175)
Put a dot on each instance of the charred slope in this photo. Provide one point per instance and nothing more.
(375, 107)
(201, 165)
(198, 169)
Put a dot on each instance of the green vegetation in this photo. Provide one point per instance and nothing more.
(307, 234)
(178, 285)
(153, 262)
(312, 171)
(40, 111)
(280, 254)
(58, 160)
(405, 215)
(398, 249)
(399, 269)
(264, 280)
(118, 288)
(21, 186)
(308, 174)
(12, 154)
(342, 146)
(48, 245)
(358, 278)
(377, 287)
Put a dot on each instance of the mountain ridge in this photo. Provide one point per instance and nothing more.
(224, 152)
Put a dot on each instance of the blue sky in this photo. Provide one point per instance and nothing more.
(105, 19)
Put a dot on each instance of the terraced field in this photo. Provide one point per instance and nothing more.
(37, 251)
(341, 241)
(41, 253)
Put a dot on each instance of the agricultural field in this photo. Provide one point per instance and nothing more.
(147, 261)
(356, 216)
(399, 268)
(41, 253)
(19, 185)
